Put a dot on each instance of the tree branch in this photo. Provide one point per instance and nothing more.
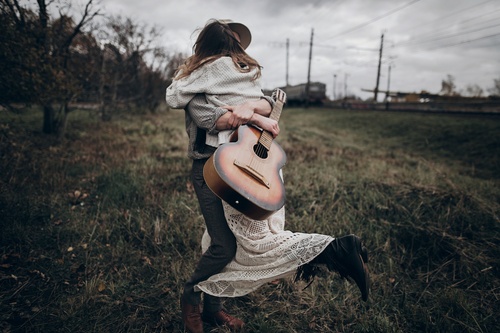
(86, 17)
(20, 21)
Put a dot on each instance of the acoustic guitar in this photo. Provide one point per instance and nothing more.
(245, 172)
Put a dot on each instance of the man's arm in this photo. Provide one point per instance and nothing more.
(253, 113)
(206, 115)
(215, 119)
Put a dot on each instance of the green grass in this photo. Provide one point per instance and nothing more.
(100, 231)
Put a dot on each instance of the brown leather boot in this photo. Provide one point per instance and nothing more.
(222, 318)
(347, 256)
(344, 255)
(191, 317)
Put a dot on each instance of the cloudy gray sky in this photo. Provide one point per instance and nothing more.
(424, 40)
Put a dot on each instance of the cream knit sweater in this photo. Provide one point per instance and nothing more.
(222, 83)
(265, 251)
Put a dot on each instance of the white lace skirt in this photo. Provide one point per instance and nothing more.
(265, 252)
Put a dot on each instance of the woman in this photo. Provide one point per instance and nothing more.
(218, 87)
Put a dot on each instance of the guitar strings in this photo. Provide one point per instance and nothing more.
(261, 150)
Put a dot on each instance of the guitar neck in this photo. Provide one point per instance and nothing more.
(276, 112)
(266, 138)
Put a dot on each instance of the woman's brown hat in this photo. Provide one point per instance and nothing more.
(241, 30)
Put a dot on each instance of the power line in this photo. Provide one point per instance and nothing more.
(441, 18)
(435, 33)
(482, 15)
(467, 23)
(448, 36)
(466, 42)
(355, 48)
(480, 25)
(374, 19)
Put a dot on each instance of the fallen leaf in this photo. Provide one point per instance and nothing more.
(147, 260)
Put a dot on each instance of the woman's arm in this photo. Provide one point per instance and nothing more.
(265, 123)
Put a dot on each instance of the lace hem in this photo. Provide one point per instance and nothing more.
(265, 252)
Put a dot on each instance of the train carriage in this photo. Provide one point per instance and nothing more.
(297, 95)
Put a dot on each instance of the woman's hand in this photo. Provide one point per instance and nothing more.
(265, 123)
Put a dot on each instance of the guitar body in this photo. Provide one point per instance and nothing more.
(246, 177)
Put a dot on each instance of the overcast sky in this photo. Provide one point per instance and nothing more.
(424, 40)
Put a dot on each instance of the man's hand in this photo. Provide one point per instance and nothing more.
(240, 114)
(251, 112)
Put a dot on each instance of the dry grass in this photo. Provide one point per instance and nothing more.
(100, 232)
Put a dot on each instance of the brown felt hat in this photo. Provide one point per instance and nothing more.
(241, 30)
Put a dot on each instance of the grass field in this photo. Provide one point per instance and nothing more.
(99, 232)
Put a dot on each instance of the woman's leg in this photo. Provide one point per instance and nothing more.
(345, 255)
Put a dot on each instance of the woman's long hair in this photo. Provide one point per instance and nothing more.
(216, 40)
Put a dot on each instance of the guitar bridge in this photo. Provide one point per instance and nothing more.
(254, 173)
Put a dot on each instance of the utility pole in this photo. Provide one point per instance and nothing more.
(388, 83)
(345, 85)
(309, 69)
(334, 86)
(378, 71)
(287, 48)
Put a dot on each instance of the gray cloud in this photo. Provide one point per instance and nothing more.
(424, 40)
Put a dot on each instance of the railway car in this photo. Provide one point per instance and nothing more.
(297, 95)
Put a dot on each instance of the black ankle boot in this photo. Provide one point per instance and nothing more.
(347, 256)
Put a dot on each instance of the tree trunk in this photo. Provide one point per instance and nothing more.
(48, 119)
(61, 128)
(102, 91)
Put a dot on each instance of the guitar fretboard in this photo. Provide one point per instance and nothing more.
(266, 138)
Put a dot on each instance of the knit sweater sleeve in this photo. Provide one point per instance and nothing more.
(204, 115)
(220, 80)
(182, 91)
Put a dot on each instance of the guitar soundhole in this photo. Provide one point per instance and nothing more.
(260, 150)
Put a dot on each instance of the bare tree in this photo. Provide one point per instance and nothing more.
(53, 62)
(448, 86)
(133, 66)
(495, 90)
(40, 54)
(173, 64)
(474, 90)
